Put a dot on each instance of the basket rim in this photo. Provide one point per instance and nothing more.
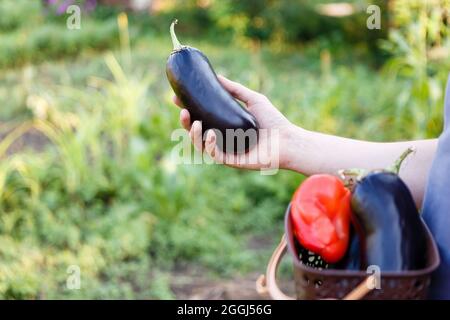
(433, 260)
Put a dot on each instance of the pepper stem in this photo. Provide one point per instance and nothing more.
(176, 44)
(395, 168)
(351, 177)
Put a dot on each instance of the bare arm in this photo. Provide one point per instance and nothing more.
(311, 152)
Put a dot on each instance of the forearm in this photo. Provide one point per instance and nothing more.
(310, 153)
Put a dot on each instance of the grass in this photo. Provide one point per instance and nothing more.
(104, 194)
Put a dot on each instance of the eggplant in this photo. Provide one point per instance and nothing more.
(195, 83)
(352, 258)
(389, 226)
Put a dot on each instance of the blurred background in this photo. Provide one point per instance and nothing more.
(86, 177)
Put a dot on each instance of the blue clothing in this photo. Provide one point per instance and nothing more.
(436, 206)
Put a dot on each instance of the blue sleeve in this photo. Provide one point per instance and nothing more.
(436, 206)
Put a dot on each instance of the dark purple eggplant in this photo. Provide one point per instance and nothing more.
(352, 258)
(196, 85)
(389, 225)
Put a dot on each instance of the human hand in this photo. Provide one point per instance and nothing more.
(268, 117)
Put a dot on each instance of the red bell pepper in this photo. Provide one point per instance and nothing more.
(320, 215)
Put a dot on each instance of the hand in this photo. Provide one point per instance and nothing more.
(266, 114)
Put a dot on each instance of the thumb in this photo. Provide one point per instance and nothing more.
(239, 91)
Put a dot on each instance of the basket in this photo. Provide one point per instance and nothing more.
(314, 284)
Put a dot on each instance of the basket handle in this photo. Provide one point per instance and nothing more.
(267, 284)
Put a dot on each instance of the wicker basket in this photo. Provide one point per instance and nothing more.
(312, 283)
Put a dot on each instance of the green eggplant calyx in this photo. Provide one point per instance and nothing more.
(395, 168)
(176, 44)
(351, 177)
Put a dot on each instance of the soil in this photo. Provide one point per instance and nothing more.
(31, 139)
(193, 285)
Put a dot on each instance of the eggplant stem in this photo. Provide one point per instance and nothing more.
(398, 163)
(176, 44)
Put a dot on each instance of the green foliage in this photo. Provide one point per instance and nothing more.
(54, 41)
(104, 194)
(277, 21)
(27, 34)
(419, 44)
(284, 20)
(18, 14)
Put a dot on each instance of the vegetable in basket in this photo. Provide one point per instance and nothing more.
(320, 215)
(350, 261)
(390, 228)
(195, 83)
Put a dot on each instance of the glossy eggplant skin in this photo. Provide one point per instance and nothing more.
(390, 228)
(195, 83)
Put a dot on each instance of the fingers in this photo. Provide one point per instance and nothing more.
(185, 119)
(216, 153)
(239, 91)
(177, 101)
(196, 135)
(210, 146)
